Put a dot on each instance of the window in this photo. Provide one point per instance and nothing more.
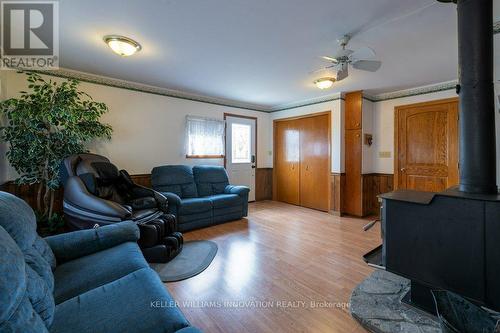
(205, 137)
(240, 143)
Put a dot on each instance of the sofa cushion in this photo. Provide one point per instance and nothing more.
(45, 251)
(25, 319)
(138, 302)
(193, 224)
(83, 274)
(225, 200)
(195, 206)
(221, 211)
(34, 259)
(210, 180)
(19, 221)
(40, 296)
(193, 217)
(12, 276)
(227, 217)
(177, 179)
(17, 313)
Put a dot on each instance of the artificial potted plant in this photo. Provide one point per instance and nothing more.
(44, 126)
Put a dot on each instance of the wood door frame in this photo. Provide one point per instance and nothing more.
(397, 111)
(256, 140)
(309, 115)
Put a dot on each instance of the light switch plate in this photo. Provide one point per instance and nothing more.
(384, 154)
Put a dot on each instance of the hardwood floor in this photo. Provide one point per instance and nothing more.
(272, 267)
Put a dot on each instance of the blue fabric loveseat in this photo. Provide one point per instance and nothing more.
(200, 196)
(93, 280)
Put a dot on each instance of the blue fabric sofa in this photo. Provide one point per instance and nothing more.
(94, 280)
(200, 196)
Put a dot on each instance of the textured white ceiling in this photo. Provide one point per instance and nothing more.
(260, 51)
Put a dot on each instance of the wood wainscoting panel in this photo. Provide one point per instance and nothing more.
(263, 190)
(29, 192)
(375, 184)
(264, 184)
(142, 179)
(337, 181)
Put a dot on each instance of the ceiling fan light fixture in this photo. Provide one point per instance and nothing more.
(122, 45)
(324, 82)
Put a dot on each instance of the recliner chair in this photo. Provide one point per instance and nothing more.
(97, 194)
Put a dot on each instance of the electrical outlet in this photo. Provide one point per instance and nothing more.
(384, 154)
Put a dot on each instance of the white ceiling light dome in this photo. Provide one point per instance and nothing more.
(122, 45)
(324, 82)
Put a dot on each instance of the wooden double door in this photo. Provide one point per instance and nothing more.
(426, 142)
(302, 161)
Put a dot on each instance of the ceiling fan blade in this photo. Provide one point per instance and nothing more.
(322, 69)
(367, 65)
(343, 72)
(331, 59)
(364, 53)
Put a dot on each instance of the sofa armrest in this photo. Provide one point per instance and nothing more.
(172, 198)
(242, 192)
(239, 190)
(80, 243)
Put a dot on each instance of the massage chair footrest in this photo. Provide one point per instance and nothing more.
(163, 253)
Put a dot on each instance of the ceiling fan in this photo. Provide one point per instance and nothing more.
(360, 59)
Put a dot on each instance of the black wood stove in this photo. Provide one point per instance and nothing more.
(451, 240)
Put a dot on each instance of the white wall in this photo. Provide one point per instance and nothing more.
(383, 127)
(149, 130)
(337, 127)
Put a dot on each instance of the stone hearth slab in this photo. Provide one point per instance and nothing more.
(376, 304)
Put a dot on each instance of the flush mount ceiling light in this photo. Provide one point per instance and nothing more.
(324, 82)
(122, 45)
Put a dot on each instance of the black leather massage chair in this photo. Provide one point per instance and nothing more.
(97, 194)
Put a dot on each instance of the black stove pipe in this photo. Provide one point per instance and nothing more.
(477, 96)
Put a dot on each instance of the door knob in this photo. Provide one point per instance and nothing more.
(403, 169)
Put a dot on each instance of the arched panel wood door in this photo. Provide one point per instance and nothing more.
(426, 143)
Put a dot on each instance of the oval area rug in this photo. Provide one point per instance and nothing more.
(194, 258)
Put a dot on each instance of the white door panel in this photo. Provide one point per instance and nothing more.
(240, 152)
